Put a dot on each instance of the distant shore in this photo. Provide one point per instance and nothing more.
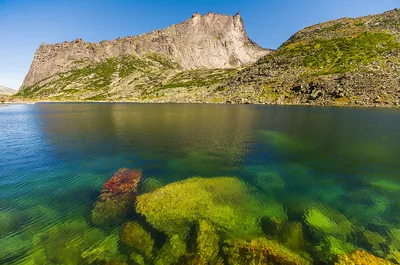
(6, 100)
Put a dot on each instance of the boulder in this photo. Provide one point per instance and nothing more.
(260, 251)
(207, 243)
(224, 201)
(361, 257)
(171, 251)
(116, 198)
(136, 239)
(323, 222)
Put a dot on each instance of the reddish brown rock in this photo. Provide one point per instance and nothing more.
(116, 198)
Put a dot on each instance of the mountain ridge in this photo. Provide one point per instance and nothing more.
(7, 91)
(349, 61)
(209, 41)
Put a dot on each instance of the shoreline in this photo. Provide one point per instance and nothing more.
(31, 102)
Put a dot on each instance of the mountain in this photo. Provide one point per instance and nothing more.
(7, 91)
(135, 67)
(350, 61)
(210, 58)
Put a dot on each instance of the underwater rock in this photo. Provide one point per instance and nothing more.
(260, 251)
(282, 142)
(291, 235)
(371, 241)
(361, 257)
(13, 246)
(11, 221)
(224, 201)
(137, 259)
(137, 239)
(385, 185)
(323, 222)
(207, 242)
(150, 184)
(330, 247)
(270, 226)
(116, 198)
(171, 251)
(394, 234)
(74, 243)
(267, 179)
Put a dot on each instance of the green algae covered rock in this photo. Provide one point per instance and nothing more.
(291, 235)
(323, 222)
(11, 221)
(361, 257)
(74, 243)
(371, 241)
(137, 239)
(171, 251)
(150, 184)
(116, 198)
(260, 251)
(330, 247)
(13, 246)
(207, 242)
(224, 201)
(282, 142)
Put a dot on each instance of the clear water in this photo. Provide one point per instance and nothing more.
(55, 158)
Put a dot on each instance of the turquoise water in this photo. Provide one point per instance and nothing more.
(333, 171)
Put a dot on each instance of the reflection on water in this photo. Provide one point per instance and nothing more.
(221, 184)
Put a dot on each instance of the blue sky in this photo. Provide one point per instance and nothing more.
(24, 24)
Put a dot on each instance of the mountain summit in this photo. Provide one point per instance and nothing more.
(209, 41)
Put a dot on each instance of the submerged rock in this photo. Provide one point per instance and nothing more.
(11, 221)
(224, 201)
(171, 251)
(116, 198)
(207, 242)
(260, 251)
(371, 241)
(330, 247)
(137, 239)
(361, 257)
(75, 243)
(150, 184)
(291, 235)
(324, 222)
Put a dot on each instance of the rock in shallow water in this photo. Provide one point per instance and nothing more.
(116, 198)
(361, 257)
(137, 239)
(224, 201)
(260, 251)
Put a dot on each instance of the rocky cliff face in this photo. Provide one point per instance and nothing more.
(209, 41)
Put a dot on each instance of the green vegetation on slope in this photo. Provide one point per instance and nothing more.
(99, 77)
(338, 55)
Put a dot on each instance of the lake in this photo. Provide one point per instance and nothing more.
(221, 183)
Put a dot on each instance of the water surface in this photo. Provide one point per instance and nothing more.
(340, 163)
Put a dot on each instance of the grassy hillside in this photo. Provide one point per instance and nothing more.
(342, 62)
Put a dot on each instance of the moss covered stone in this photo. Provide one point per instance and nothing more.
(330, 247)
(224, 201)
(137, 239)
(207, 242)
(260, 251)
(361, 257)
(74, 243)
(171, 252)
(323, 222)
